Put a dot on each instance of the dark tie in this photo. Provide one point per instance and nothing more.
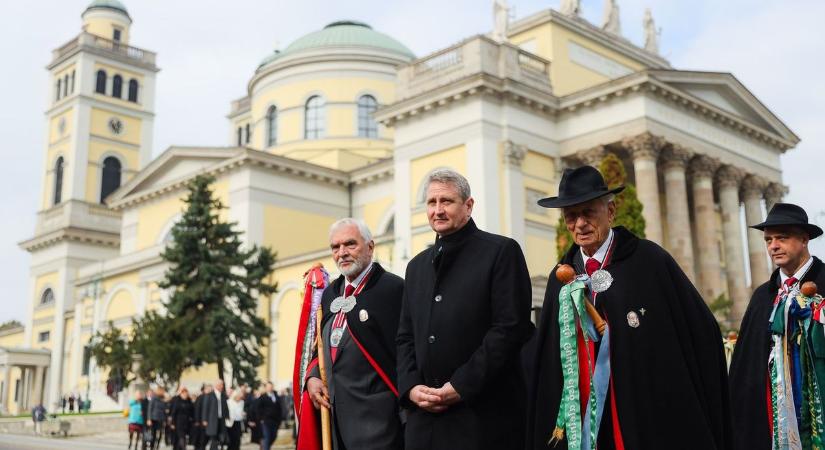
(592, 265)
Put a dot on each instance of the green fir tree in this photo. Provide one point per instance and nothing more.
(165, 353)
(216, 283)
(110, 349)
(628, 206)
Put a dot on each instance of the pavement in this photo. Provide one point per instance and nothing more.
(108, 441)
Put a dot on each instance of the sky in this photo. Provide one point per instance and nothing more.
(208, 50)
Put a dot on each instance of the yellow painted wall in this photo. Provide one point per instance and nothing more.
(16, 339)
(14, 375)
(421, 241)
(454, 158)
(375, 211)
(566, 76)
(342, 153)
(539, 172)
(121, 305)
(280, 232)
(54, 125)
(540, 253)
(155, 214)
(100, 126)
(129, 159)
(104, 28)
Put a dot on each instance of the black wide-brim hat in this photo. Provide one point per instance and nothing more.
(579, 185)
(785, 214)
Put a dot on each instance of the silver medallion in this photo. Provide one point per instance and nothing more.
(335, 337)
(348, 304)
(601, 280)
(363, 315)
(633, 319)
(335, 306)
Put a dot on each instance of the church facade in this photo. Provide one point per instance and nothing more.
(347, 121)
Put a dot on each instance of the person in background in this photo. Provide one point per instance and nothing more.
(63, 402)
(269, 416)
(252, 416)
(157, 416)
(135, 420)
(234, 423)
(181, 416)
(71, 403)
(213, 415)
(168, 435)
(38, 417)
(198, 430)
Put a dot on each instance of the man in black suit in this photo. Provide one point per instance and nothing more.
(465, 317)
(361, 310)
(268, 414)
(213, 415)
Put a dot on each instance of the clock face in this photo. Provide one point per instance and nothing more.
(115, 125)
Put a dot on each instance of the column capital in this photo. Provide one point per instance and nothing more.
(703, 166)
(593, 156)
(729, 176)
(644, 146)
(774, 193)
(753, 186)
(675, 155)
(513, 153)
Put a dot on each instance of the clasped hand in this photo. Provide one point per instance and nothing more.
(434, 400)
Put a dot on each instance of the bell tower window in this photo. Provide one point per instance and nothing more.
(58, 180)
(133, 90)
(100, 84)
(117, 86)
(110, 179)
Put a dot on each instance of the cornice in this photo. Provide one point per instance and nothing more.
(72, 234)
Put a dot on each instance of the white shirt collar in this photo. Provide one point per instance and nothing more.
(357, 281)
(602, 251)
(799, 273)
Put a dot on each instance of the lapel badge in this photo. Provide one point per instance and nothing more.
(363, 315)
(643, 311)
(633, 319)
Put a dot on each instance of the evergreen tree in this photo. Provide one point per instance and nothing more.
(110, 350)
(628, 206)
(215, 284)
(164, 350)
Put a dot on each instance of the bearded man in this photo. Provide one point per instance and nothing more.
(360, 321)
(655, 377)
(465, 317)
(787, 361)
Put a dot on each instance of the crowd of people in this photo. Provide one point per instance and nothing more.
(75, 401)
(214, 417)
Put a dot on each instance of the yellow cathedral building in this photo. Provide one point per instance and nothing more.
(347, 121)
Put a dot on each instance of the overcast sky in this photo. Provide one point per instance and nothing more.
(208, 50)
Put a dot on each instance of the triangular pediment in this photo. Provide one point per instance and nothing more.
(173, 165)
(725, 92)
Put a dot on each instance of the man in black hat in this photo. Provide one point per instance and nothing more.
(787, 233)
(656, 372)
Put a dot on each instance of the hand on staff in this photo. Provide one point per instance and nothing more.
(318, 393)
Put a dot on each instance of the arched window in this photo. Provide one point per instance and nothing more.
(133, 90)
(314, 118)
(71, 89)
(100, 85)
(248, 134)
(66, 85)
(117, 86)
(47, 297)
(240, 136)
(58, 179)
(110, 180)
(272, 126)
(367, 127)
(57, 95)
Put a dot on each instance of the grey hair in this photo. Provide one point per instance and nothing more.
(363, 229)
(448, 176)
(609, 198)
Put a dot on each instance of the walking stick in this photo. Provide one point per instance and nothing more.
(326, 430)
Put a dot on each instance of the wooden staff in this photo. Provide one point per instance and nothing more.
(326, 429)
(566, 274)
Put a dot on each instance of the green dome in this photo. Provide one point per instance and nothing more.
(111, 4)
(343, 33)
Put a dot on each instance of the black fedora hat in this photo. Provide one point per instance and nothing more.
(579, 185)
(784, 214)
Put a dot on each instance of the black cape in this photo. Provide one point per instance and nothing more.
(749, 366)
(669, 373)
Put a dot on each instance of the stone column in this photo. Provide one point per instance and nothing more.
(728, 179)
(515, 201)
(709, 273)
(6, 394)
(645, 149)
(752, 187)
(773, 194)
(37, 396)
(679, 237)
(592, 157)
(21, 394)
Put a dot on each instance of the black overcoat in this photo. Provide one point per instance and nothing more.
(268, 411)
(669, 373)
(749, 366)
(182, 414)
(365, 410)
(209, 412)
(466, 315)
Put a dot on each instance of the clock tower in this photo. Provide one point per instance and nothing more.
(99, 122)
